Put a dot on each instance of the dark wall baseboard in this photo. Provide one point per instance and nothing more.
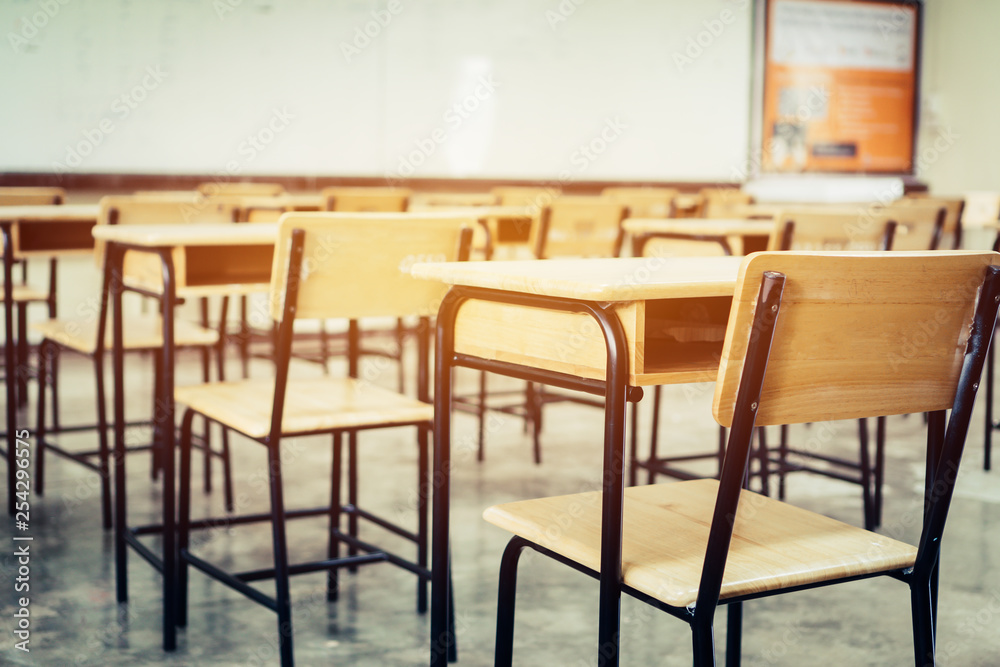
(126, 182)
(129, 182)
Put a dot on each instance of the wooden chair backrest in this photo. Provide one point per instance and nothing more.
(580, 227)
(644, 202)
(517, 195)
(371, 200)
(919, 224)
(954, 207)
(446, 199)
(241, 188)
(857, 334)
(718, 200)
(16, 196)
(817, 229)
(357, 264)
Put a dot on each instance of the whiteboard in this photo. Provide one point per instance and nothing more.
(544, 89)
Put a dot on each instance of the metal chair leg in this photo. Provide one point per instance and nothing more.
(703, 643)
(734, 634)
(878, 473)
(423, 498)
(283, 604)
(352, 493)
(988, 441)
(923, 623)
(866, 475)
(184, 519)
(102, 440)
(333, 542)
(22, 355)
(504, 651)
(40, 421)
(651, 461)
(481, 416)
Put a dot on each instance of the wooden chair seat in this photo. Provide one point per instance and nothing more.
(311, 405)
(27, 293)
(142, 332)
(775, 545)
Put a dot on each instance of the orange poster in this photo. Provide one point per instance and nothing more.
(839, 86)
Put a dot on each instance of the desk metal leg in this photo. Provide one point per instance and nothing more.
(441, 634)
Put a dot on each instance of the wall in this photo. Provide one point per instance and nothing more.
(959, 141)
(550, 89)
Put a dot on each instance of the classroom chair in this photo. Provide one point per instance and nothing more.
(687, 548)
(81, 335)
(814, 229)
(361, 273)
(25, 294)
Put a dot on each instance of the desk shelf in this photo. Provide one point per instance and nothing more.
(670, 340)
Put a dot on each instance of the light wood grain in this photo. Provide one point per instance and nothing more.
(857, 335)
(316, 404)
(141, 332)
(666, 526)
(357, 264)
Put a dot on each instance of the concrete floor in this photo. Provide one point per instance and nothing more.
(75, 620)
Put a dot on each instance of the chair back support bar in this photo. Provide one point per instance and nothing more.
(855, 339)
(373, 253)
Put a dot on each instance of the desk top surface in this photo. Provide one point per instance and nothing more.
(250, 233)
(625, 279)
(51, 213)
(698, 226)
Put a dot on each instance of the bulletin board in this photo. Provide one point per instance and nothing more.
(840, 86)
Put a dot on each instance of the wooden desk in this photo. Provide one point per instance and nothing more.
(34, 231)
(603, 326)
(696, 229)
(164, 242)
